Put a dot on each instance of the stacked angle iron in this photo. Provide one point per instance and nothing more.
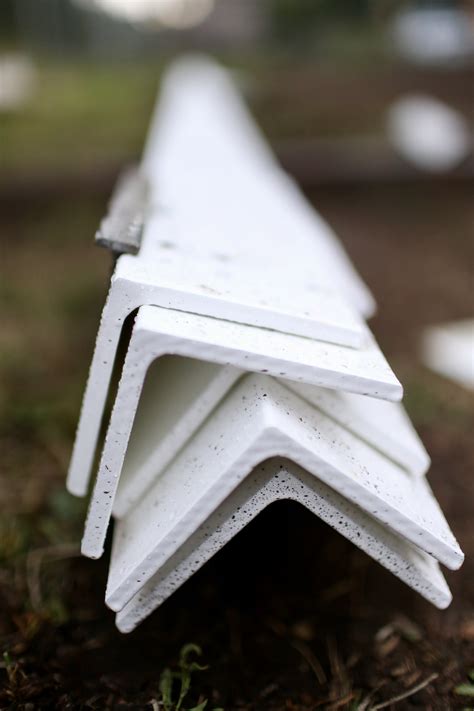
(250, 375)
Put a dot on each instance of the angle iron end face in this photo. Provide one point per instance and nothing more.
(384, 425)
(178, 395)
(205, 285)
(95, 395)
(258, 420)
(161, 331)
(364, 371)
(101, 369)
(191, 389)
(276, 480)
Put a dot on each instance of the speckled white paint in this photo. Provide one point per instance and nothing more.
(159, 332)
(272, 481)
(258, 420)
(179, 393)
(384, 425)
(256, 253)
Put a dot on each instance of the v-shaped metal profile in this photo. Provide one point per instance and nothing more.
(160, 332)
(233, 273)
(259, 420)
(225, 234)
(191, 389)
(276, 480)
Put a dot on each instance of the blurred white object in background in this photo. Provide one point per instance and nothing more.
(176, 14)
(434, 35)
(428, 133)
(449, 350)
(17, 81)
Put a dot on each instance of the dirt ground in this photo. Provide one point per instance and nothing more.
(289, 615)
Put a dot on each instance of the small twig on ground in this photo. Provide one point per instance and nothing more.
(309, 656)
(365, 703)
(340, 683)
(343, 701)
(406, 694)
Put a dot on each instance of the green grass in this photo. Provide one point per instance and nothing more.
(80, 114)
(176, 685)
(86, 114)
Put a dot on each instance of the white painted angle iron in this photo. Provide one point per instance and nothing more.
(226, 234)
(232, 443)
(251, 374)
